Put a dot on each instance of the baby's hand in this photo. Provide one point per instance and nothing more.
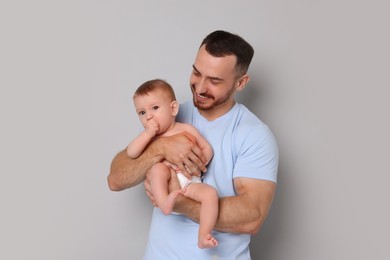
(152, 127)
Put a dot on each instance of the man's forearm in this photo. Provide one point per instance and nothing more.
(243, 213)
(234, 216)
(126, 172)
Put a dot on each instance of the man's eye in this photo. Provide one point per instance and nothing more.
(215, 81)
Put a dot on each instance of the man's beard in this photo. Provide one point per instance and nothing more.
(209, 106)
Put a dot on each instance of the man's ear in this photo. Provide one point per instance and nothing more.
(175, 108)
(241, 83)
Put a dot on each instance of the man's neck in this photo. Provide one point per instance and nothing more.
(217, 112)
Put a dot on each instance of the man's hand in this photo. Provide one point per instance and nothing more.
(181, 150)
(148, 190)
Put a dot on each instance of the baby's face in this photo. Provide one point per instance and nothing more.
(155, 106)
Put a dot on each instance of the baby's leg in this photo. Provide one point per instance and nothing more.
(160, 175)
(208, 197)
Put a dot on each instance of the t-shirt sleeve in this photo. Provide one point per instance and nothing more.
(257, 155)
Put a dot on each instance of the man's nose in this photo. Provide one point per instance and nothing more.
(201, 86)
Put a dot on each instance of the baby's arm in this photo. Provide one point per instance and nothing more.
(137, 146)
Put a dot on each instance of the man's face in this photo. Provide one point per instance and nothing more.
(213, 83)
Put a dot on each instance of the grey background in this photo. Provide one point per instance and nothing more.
(68, 70)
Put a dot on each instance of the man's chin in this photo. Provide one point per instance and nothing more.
(201, 106)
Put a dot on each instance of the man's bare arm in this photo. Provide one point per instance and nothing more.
(178, 149)
(244, 213)
(126, 172)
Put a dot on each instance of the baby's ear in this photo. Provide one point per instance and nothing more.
(175, 108)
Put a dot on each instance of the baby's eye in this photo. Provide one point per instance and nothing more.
(155, 107)
(141, 113)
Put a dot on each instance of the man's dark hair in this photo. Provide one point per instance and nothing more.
(221, 43)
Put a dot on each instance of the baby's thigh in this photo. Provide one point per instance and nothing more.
(200, 192)
(161, 170)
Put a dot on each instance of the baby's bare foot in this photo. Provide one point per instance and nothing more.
(207, 242)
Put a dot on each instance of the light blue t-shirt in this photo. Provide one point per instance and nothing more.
(243, 147)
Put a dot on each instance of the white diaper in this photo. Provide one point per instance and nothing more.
(184, 181)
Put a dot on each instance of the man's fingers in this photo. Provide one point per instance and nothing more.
(197, 164)
(186, 170)
(193, 165)
(185, 154)
(149, 192)
(189, 168)
(198, 157)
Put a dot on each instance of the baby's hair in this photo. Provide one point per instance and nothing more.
(152, 85)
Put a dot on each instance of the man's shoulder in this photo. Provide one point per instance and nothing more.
(248, 118)
(250, 125)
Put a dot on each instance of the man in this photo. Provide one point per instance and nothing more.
(243, 170)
